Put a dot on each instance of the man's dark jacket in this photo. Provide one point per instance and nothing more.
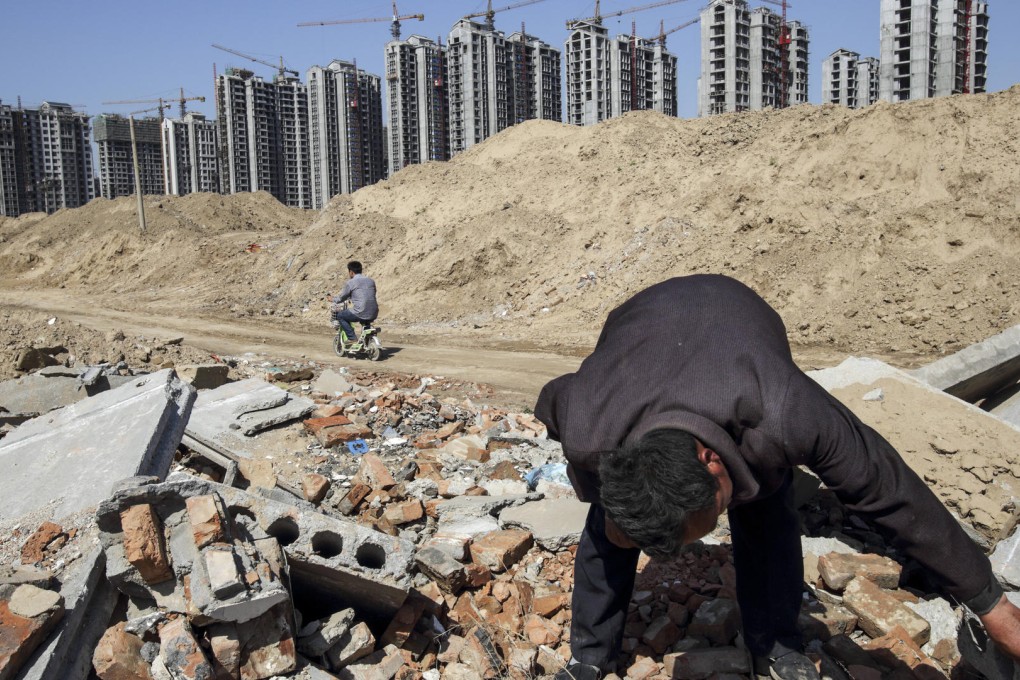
(705, 354)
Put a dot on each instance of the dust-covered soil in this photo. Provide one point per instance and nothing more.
(890, 229)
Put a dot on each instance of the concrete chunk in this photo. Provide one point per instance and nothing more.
(74, 455)
(205, 376)
(556, 523)
(43, 392)
(979, 370)
(26, 620)
(838, 568)
(244, 407)
(698, 664)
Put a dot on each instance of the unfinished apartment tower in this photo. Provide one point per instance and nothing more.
(933, 48)
(45, 159)
(263, 136)
(416, 79)
(537, 90)
(116, 163)
(496, 82)
(744, 65)
(849, 80)
(347, 137)
(191, 160)
(607, 77)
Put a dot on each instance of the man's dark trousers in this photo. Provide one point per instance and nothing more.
(770, 577)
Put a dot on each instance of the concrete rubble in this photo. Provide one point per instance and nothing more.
(403, 541)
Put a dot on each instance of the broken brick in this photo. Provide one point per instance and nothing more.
(404, 513)
(34, 549)
(118, 656)
(717, 620)
(373, 472)
(661, 634)
(181, 653)
(145, 544)
(353, 498)
(314, 486)
(836, 569)
(341, 434)
(879, 612)
(439, 566)
(698, 664)
(499, 550)
(542, 631)
(206, 520)
(897, 646)
(20, 635)
(316, 425)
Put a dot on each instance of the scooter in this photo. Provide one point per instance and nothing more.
(368, 346)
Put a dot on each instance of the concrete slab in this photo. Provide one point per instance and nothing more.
(556, 523)
(73, 456)
(1009, 410)
(979, 370)
(53, 388)
(467, 507)
(226, 414)
(329, 559)
(331, 383)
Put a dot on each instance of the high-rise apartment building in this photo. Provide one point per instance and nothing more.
(263, 136)
(9, 206)
(538, 88)
(496, 82)
(116, 163)
(849, 80)
(416, 80)
(192, 164)
(932, 48)
(744, 64)
(346, 130)
(607, 77)
(45, 159)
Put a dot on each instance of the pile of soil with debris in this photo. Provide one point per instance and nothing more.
(893, 228)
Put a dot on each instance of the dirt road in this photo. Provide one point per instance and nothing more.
(517, 376)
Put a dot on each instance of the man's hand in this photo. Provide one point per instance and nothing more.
(1003, 625)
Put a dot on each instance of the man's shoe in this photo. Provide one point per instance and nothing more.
(578, 671)
(790, 666)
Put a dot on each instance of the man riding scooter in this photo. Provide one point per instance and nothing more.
(360, 290)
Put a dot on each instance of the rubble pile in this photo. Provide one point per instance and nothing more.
(317, 523)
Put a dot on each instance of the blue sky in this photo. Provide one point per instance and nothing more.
(84, 53)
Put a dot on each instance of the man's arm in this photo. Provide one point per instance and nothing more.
(344, 293)
(871, 478)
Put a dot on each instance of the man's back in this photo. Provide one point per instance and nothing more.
(361, 291)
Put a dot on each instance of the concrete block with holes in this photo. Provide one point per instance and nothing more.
(227, 540)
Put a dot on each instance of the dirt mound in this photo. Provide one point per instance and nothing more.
(894, 228)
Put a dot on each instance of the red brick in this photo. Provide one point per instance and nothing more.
(836, 569)
(661, 634)
(374, 473)
(179, 647)
(548, 605)
(505, 470)
(350, 500)
(879, 612)
(404, 513)
(315, 487)
(477, 574)
(898, 647)
(34, 549)
(698, 664)
(20, 636)
(118, 656)
(206, 520)
(144, 543)
(542, 631)
(642, 669)
(341, 434)
(316, 425)
(450, 429)
(499, 550)
(327, 411)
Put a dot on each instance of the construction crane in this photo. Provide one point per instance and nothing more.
(394, 26)
(663, 32)
(181, 101)
(281, 70)
(597, 19)
(490, 14)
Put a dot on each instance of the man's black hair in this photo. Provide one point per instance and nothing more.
(354, 266)
(649, 488)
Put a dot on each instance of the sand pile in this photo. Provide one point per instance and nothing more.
(894, 228)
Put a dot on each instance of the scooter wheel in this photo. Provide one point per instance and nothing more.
(373, 351)
(338, 345)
